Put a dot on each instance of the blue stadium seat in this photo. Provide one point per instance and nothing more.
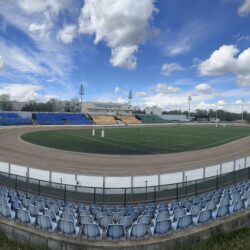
(125, 221)
(24, 217)
(161, 227)
(105, 221)
(6, 211)
(91, 231)
(83, 219)
(183, 222)
(139, 231)
(221, 211)
(45, 222)
(203, 217)
(115, 232)
(68, 227)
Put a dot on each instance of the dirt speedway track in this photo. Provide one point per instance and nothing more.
(16, 151)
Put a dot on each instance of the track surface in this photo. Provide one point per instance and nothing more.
(16, 151)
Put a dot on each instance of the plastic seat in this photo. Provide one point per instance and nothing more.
(66, 216)
(85, 219)
(203, 217)
(16, 205)
(68, 227)
(6, 211)
(139, 231)
(125, 221)
(105, 221)
(91, 231)
(55, 208)
(195, 210)
(52, 214)
(237, 206)
(45, 222)
(24, 217)
(33, 210)
(162, 216)
(222, 211)
(178, 213)
(144, 219)
(184, 222)
(100, 214)
(115, 232)
(211, 206)
(161, 227)
(116, 216)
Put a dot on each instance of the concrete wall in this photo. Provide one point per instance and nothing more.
(177, 239)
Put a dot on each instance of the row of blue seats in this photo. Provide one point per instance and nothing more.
(60, 119)
(122, 222)
(8, 119)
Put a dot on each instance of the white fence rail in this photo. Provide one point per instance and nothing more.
(125, 181)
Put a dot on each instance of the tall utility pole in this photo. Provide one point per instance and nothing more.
(81, 93)
(130, 97)
(242, 110)
(189, 104)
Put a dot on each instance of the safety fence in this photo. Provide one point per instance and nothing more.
(190, 184)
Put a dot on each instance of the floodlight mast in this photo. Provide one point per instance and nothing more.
(130, 97)
(189, 104)
(81, 93)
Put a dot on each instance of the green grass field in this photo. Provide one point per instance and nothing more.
(132, 141)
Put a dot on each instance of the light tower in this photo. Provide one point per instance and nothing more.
(81, 93)
(189, 104)
(130, 97)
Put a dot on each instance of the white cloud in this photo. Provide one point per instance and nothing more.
(42, 29)
(221, 103)
(227, 60)
(166, 89)
(117, 90)
(169, 68)
(204, 88)
(1, 63)
(31, 6)
(123, 25)
(124, 57)
(67, 33)
(244, 9)
(24, 92)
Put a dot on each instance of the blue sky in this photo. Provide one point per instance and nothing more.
(164, 50)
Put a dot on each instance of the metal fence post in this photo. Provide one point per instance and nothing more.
(94, 195)
(234, 176)
(125, 196)
(65, 191)
(154, 194)
(16, 184)
(38, 191)
(195, 187)
(177, 191)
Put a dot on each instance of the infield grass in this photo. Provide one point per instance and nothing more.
(140, 140)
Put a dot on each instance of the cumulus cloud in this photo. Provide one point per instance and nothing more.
(122, 25)
(1, 63)
(166, 89)
(67, 33)
(244, 9)
(204, 88)
(117, 90)
(169, 68)
(227, 60)
(221, 103)
(24, 92)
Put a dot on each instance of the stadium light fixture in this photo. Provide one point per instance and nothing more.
(130, 97)
(81, 93)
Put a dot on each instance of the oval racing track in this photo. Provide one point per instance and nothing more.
(16, 151)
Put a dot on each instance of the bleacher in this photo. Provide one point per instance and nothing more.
(9, 119)
(150, 118)
(129, 119)
(104, 119)
(122, 222)
(60, 119)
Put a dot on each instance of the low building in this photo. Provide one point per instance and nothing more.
(175, 118)
(106, 108)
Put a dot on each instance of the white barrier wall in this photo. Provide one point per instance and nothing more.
(125, 181)
(212, 171)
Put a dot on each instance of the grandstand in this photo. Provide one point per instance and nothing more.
(150, 118)
(129, 119)
(103, 120)
(60, 119)
(8, 119)
(122, 222)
